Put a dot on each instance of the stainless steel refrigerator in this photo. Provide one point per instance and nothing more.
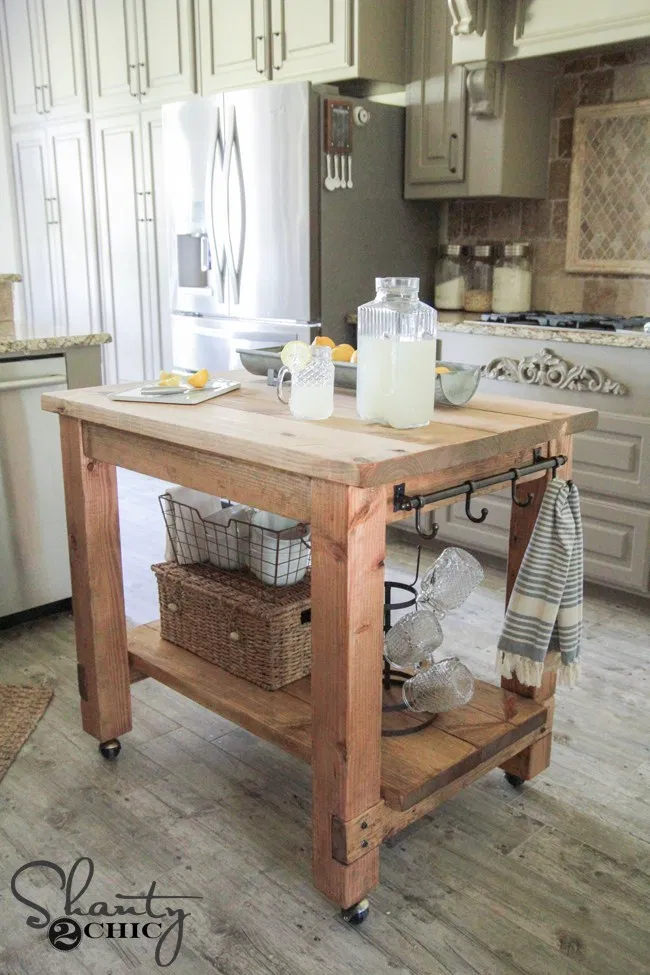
(260, 250)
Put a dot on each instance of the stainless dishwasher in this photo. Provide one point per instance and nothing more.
(34, 569)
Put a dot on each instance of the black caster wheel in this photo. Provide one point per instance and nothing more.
(514, 780)
(110, 749)
(357, 913)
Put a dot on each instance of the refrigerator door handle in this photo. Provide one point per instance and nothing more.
(234, 151)
(205, 253)
(217, 248)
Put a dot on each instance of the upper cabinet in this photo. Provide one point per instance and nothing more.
(479, 130)
(139, 52)
(247, 42)
(233, 39)
(42, 50)
(309, 39)
(533, 27)
(435, 120)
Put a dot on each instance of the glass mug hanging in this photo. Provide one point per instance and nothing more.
(312, 385)
(396, 371)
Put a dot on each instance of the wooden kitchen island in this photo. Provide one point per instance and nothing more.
(339, 475)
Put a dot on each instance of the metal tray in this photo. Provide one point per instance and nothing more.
(454, 389)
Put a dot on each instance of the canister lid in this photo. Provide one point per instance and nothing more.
(519, 249)
(482, 250)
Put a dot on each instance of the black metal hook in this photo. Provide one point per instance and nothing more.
(468, 500)
(515, 499)
(435, 527)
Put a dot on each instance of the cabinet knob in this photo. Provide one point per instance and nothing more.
(234, 636)
(172, 607)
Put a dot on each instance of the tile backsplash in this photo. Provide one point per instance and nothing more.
(587, 78)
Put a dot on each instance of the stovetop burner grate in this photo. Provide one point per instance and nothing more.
(577, 320)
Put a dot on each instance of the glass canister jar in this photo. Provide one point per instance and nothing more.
(396, 356)
(450, 277)
(478, 280)
(513, 280)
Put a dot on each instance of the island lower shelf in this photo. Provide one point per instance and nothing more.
(434, 763)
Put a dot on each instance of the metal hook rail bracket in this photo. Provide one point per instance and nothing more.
(405, 502)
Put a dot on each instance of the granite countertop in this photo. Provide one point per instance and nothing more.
(626, 340)
(13, 278)
(50, 343)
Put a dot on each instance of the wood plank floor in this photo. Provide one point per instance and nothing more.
(553, 879)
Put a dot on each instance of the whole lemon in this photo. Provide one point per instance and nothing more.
(342, 353)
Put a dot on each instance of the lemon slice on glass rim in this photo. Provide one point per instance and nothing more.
(295, 355)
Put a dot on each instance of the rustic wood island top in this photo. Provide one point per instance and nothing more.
(339, 475)
(252, 425)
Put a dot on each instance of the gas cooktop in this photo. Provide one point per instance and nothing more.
(547, 319)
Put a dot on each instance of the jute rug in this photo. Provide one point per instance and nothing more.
(21, 708)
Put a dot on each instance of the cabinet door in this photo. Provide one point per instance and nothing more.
(112, 54)
(157, 242)
(22, 60)
(123, 247)
(34, 217)
(536, 27)
(165, 50)
(77, 286)
(435, 99)
(234, 46)
(616, 536)
(311, 40)
(64, 88)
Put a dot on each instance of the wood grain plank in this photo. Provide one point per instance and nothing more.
(274, 716)
(97, 590)
(348, 551)
(263, 487)
(251, 426)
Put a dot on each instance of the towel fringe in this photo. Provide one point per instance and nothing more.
(531, 672)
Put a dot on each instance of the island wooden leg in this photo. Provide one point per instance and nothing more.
(97, 590)
(348, 549)
(533, 760)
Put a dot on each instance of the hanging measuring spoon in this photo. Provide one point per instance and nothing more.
(330, 182)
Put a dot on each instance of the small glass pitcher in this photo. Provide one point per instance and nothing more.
(312, 386)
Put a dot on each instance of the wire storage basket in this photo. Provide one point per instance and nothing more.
(275, 549)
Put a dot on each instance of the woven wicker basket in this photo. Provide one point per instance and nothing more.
(261, 633)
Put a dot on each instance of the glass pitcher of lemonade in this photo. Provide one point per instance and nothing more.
(396, 357)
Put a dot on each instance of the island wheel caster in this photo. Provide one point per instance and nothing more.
(110, 749)
(514, 780)
(357, 913)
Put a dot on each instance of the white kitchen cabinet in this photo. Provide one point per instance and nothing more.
(127, 245)
(34, 213)
(139, 52)
(234, 44)
(534, 27)
(435, 98)
(157, 239)
(307, 39)
(477, 30)
(56, 216)
(43, 55)
(616, 536)
(452, 150)
(245, 42)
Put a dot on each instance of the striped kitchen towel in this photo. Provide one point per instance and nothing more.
(543, 623)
